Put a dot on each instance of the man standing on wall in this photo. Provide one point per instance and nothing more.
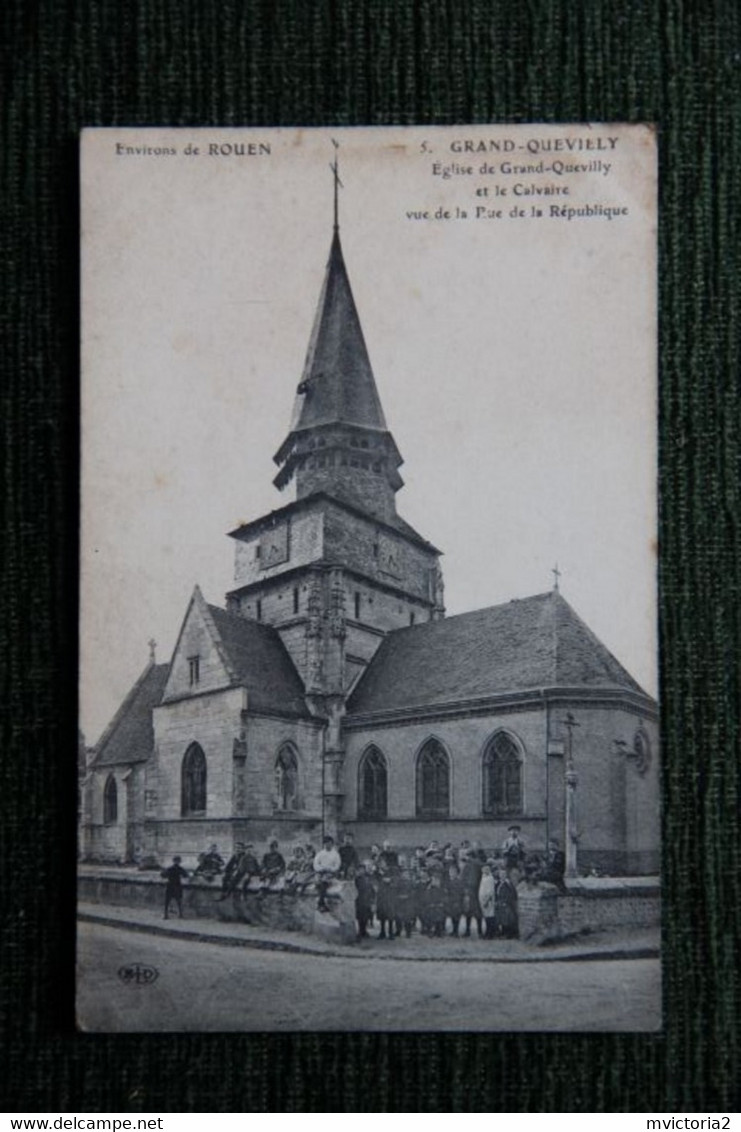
(326, 865)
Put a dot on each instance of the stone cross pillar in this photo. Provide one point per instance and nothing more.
(334, 756)
(571, 778)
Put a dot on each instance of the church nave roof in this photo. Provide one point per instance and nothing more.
(531, 643)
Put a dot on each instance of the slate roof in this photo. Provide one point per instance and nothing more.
(337, 371)
(129, 737)
(260, 663)
(535, 642)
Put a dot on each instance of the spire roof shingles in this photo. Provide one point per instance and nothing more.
(337, 382)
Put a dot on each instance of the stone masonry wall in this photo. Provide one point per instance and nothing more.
(465, 739)
(608, 841)
(359, 544)
(213, 721)
(114, 841)
(305, 545)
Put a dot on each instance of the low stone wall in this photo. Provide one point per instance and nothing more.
(609, 904)
(278, 908)
(545, 914)
(590, 905)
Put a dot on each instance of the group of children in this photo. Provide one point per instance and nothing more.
(436, 887)
(428, 890)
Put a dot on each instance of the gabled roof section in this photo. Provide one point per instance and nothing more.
(532, 643)
(337, 384)
(129, 738)
(259, 661)
(234, 652)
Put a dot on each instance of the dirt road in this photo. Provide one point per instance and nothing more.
(204, 986)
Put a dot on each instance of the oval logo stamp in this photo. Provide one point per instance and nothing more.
(138, 974)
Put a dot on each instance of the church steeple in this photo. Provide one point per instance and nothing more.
(339, 442)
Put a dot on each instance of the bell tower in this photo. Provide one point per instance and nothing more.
(337, 568)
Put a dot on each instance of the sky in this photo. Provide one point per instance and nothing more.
(515, 358)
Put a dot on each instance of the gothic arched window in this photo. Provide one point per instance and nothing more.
(372, 785)
(193, 782)
(502, 777)
(286, 779)
(433, 781)
(110, 801)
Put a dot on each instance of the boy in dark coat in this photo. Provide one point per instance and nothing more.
(389, 857)
(471, 880)
(364, 900)
(454, 897)
(406, 903)
(349, 859)
(249, 867)
(505, 907)
(555, 866)
(386, 901)
(231, 873)
(174, 887)
(210, 863)
(273, 863)
(435, 904)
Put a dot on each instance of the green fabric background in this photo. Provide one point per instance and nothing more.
(263, 62)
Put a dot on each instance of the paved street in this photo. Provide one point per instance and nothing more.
(209, 986)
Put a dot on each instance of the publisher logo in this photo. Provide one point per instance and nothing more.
(138, 974)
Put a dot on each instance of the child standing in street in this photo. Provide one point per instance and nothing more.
(174, 886)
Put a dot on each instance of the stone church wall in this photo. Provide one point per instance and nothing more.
(617, 808)
(213, 721)
(465, 739)
(305, 545)
(265, 737)
(116, 841)
(276, 602)
(355, 542)
(380, 609)
(354, 476)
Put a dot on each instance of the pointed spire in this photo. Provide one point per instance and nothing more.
(337, 407)
(337, 384)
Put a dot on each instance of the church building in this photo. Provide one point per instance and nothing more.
(331, 692)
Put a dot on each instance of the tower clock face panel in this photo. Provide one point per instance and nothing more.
(388, 557)
(274, 547)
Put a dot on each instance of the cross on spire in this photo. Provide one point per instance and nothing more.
(556, 575)
(337, 184)
(152, 646)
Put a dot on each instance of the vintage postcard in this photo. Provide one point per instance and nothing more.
(368, 694)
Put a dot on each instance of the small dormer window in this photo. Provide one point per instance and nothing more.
(259, 610)
(194, 670)
(411, 618)
(357, 606)
(295, 599)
